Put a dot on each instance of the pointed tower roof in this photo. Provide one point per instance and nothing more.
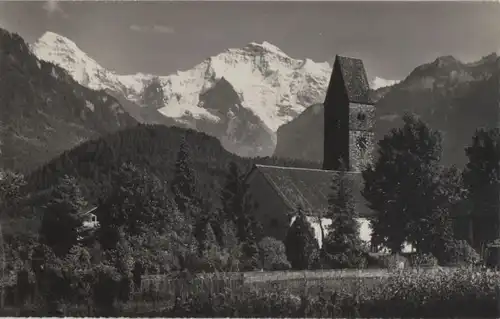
(355, 79)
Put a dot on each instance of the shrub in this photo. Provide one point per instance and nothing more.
(273, 254)
(423, 260)
(391, 261)
(459, 252)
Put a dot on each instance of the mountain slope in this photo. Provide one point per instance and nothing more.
(43, 111)
(153, 147)
(449, 95)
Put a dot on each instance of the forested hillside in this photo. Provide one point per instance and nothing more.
(153, 148)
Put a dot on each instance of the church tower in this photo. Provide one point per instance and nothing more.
(349, 117)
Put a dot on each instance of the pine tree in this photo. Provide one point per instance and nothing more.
(342, 246)
(238, 209)
(184, 184)
(237, 204)
(61, 221)
(300, 243)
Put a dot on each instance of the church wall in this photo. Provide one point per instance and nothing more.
(361, 155)
(361, 117)
(271, 210)
(361, 136)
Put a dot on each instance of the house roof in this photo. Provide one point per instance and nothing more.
(87, 211)
(355, 79)
(310, 188)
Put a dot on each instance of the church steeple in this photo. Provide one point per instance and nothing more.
(349, 117)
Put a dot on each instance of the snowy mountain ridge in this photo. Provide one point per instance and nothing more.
(271, 84)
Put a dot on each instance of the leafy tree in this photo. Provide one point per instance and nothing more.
(403, 188)
(106, 290)
(482, 181)
(61, 220)
(273, 254)
(137, 203)
(153, 95)
(300, 242)
(11, 185)
(342, 246)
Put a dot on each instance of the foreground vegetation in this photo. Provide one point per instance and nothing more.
(171, 211)
(463, 292)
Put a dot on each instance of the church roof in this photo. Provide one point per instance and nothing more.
(355, 79)
(310, 188)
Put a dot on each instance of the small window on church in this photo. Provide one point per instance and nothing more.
(361, 117)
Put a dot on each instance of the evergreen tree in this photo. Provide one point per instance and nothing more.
(153, 95)
(184, 184)
(61, 220)
(300, 243)
(238, 209)
(403, 187)
(482, 181)
(342, 246)
(237, 204)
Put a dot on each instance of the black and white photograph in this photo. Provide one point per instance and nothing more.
(258, 159)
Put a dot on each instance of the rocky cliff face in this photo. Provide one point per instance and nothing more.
(453, 97)
(43, 111)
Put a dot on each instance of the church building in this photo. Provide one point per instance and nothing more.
(348, 137)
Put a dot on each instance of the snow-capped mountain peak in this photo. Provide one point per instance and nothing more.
(85, 70)
(264, 47)
(270, 83)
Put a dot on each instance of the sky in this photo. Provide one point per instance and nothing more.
(157, 37)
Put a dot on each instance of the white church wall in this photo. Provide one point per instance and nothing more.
(365, 231)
